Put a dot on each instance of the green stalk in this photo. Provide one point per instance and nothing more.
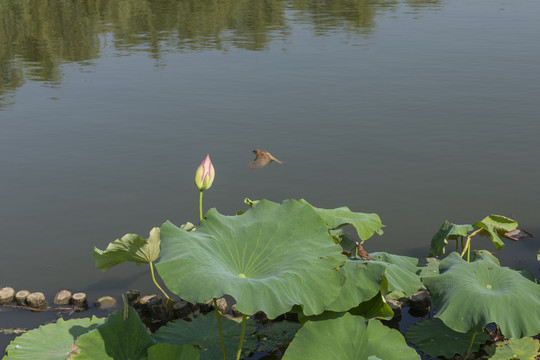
(242, 334)
(470, 345)
(468, 245)
(218, 314)
(218, 317)
(200, 205)
(155, 282)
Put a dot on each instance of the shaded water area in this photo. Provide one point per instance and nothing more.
(419, 111)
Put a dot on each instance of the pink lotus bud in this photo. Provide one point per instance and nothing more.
(205, 174)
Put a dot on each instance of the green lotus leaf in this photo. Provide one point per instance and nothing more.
(203, 332)
(526, 273)
(366, 278)
(434, 338)
(472, 295)
(277, 335)
(363, 282)
(525, 348)
(172, 352)
(375, 307)
(348, 244)
(495, 226)
(337, 234)
(348, 337)
(130, 247)
(484, 255)
(365, 224)
(51, 341)
(447, 231)
(429, 266)
(122, 336)
(401, 272)
(501, 224)
(269, 258)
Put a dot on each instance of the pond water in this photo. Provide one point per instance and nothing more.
(419, 111)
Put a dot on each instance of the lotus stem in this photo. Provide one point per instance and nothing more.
(155, 282)
(468, 245)
(200, 204)
(218, 317)
(242, 334)
(470, 345)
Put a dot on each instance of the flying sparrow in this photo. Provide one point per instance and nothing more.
(262, 158)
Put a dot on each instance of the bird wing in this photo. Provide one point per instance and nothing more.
(259, 162)
(273, 158)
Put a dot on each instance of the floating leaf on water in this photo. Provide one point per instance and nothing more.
(525, 348)
(51, 341)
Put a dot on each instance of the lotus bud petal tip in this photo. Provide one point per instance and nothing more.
(204, 177)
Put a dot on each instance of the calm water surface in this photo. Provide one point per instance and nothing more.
(419, 111)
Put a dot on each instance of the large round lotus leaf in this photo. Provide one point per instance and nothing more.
(472, 295)
(348, 337)
(436, 339)
(269, 258)
(51, 341)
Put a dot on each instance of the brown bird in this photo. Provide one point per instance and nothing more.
(262, 158)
